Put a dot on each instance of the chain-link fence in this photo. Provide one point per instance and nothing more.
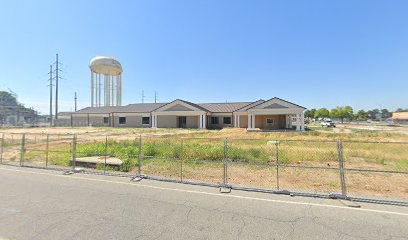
(365, 171)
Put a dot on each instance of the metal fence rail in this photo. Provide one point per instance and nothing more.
(363, 171)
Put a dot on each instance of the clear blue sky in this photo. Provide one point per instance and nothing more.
(314, 53)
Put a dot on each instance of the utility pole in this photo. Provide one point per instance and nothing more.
(50, 94)
(143, 96)
(75, 101)
(56, 88)
(155, 97)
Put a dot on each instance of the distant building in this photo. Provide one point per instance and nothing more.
(64, 119)
(400, 117)
(106, 108)
(273, 114)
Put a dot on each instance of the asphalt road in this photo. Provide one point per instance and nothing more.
(40, 204)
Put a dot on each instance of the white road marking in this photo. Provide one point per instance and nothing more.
(138, 184)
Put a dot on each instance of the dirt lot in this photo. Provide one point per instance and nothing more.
(342, 131)
(392, 157)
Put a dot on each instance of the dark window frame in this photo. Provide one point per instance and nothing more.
(105, 120)
(122, 120)
(214, 120)
(143, 120)
(229, 122)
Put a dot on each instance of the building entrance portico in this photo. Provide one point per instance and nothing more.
(275, 114)
(179, 114)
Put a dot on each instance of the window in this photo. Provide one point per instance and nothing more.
(105, 120)
(145, 120)
(122, 120)
(269, 121)
(214, 120)
(227, 120)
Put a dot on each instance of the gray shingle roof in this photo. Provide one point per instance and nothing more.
(150, 107)
(141, 107)
(136, 108)
(250, 105)
(99, 110)
(223, 107)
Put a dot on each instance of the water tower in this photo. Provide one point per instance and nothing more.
(106, 79)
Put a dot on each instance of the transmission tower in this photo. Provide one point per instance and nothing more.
(75, 101)
(57, 78)
(50, 85)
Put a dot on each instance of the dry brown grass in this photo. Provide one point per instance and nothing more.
(357, 155)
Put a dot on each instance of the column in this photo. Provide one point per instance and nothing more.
(290, 121)
(112, 91)
(96, 90)
(154, 121)
(99, 90)
(93, 90)
(118, 90)
(253, 121)
(108, 89)
(204, 121)
(302, 119)
(104, 90)
(201, 122)
(235, 121)
(249, 121)
(297, 122)
(239, 121)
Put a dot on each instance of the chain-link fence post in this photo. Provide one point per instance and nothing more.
(106, 154)
(341, 168)
(47, 147)
(74, 145)
(22, 150)
(139, 158)
(1, 148)
(225, 162)
(180, 156)
(277, 164)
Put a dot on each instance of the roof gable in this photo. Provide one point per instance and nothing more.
(180, 105)
(276, 103)
(245, 108)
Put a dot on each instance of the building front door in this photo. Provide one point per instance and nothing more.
(182, 122)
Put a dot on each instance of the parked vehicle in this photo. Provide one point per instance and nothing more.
(328, 123)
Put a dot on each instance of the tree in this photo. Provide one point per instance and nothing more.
(372, 114)
(401, 110)
(385, 113)
(347, 112)
(334, 113)
(9, 106)
(7, 99)
(310, 113)
(342, 113)
(361, 115)
(322, 113)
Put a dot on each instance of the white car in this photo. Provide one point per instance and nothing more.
(328, 123)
